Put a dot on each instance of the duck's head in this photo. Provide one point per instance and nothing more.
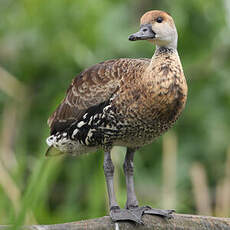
(158, 27)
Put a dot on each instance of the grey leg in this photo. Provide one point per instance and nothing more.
(132, 203)
(128, 170)
(132, 211)
(116, 213)
(109, 171)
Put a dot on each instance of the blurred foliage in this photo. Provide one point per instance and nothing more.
(44, 44)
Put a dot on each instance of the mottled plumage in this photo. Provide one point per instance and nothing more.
(126, 102)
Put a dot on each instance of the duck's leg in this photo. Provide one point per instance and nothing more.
(128, 170)
(132, 212)
(109, 171)
(116, 213)
(132, 203)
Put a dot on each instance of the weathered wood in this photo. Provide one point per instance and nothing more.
(178, 222)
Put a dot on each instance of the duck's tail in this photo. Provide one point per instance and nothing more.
(52, 151)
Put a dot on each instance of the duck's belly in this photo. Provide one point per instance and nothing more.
(143, 126)
(141, 134)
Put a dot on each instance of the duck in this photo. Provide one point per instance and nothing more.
(123, 102)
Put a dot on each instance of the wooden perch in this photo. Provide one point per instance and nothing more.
(179, 222)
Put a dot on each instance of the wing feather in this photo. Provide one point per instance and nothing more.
(90, 88)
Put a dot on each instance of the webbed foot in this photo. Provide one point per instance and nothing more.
(159, 212)
(135, 213)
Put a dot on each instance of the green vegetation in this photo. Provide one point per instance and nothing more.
(44, 44)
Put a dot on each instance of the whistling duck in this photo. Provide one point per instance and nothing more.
(125, 102)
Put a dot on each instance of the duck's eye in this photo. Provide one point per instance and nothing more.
(159, 19)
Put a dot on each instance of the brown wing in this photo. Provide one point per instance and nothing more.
(90, 88)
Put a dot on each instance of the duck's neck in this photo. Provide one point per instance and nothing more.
(170, 44)
(164, 55)
(164, 50)
(163, 58)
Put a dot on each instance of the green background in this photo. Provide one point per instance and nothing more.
(44, 44)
